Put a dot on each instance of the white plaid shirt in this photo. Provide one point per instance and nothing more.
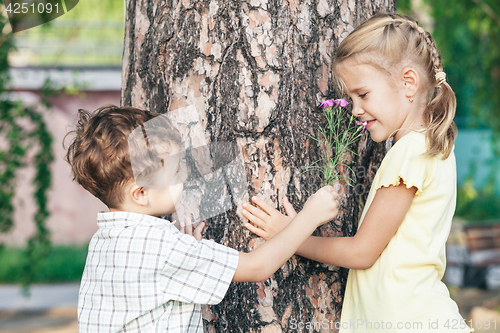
(143, 275)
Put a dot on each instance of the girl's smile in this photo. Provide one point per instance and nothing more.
(369, 123)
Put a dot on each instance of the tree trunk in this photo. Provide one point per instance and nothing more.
(256, 71)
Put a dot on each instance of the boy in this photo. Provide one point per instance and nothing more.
(142, 274)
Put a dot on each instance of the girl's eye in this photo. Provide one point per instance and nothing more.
(362, 95)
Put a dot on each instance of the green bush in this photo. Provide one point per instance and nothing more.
(63, 264)
(478, 206)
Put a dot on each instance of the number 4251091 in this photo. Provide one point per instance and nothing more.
(475, 324)
(25, 8)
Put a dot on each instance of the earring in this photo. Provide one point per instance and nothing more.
(411, 99)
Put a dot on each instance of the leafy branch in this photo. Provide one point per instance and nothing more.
(18, 138)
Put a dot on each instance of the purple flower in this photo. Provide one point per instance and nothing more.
(343, 103)
(326, 103)
(364, 123)
(329, 102)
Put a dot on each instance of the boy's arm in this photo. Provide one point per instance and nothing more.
(262, 262)
(377, 229)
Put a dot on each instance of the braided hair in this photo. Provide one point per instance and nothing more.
(390, 40)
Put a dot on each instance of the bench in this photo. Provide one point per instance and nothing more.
(483, 245)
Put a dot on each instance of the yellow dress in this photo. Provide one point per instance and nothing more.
(403, 291)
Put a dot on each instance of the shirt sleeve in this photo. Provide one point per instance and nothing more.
(197, 271)
(405, 163)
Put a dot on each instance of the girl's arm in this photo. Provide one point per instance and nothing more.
(381, 222)
(262, 262)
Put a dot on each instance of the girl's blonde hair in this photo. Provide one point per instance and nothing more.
(388, 40)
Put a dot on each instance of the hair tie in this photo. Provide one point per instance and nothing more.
(440, 77)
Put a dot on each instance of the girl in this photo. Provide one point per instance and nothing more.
(392, 71)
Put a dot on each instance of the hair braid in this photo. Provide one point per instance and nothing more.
(396, 39)
(440, 110)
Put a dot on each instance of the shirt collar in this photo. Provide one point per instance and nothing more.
(124, 219)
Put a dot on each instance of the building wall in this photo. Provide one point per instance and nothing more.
(72, 209)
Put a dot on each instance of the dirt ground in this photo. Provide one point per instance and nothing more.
(64, 320)
(469, 297)
(54, 321)
(479, 307)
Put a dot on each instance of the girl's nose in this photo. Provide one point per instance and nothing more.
(356, 110)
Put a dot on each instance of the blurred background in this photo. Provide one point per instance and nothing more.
(46, 219)
(49, 72)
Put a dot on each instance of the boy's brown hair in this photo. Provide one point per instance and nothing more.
(99, 152)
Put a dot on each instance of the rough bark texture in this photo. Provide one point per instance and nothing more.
(255, 70)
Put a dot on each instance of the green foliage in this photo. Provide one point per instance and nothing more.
(477, 206)
(91, 34)
(19, 138)
(61, 264)
(467, 33)
(335, 140)
(97, 10)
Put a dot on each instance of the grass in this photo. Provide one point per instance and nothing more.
(63, 264)
(91, 34)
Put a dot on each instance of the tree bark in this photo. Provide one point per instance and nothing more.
(256, 71)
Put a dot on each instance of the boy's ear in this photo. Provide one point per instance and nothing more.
(411, 81)
(138, 194)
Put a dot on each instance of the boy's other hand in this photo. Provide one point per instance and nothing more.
(322, 206)
(188, 228)
(267, 221)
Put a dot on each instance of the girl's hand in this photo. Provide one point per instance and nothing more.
(266, 220)
(188, 228)
(322, 206)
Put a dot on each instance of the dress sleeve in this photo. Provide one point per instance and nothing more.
(197, 271)
(405, 163)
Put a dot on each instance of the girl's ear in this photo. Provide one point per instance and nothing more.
(139, 195)
(411, 81)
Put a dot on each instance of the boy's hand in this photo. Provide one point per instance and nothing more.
(188, 228)
(266, 220)
(322, 206)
